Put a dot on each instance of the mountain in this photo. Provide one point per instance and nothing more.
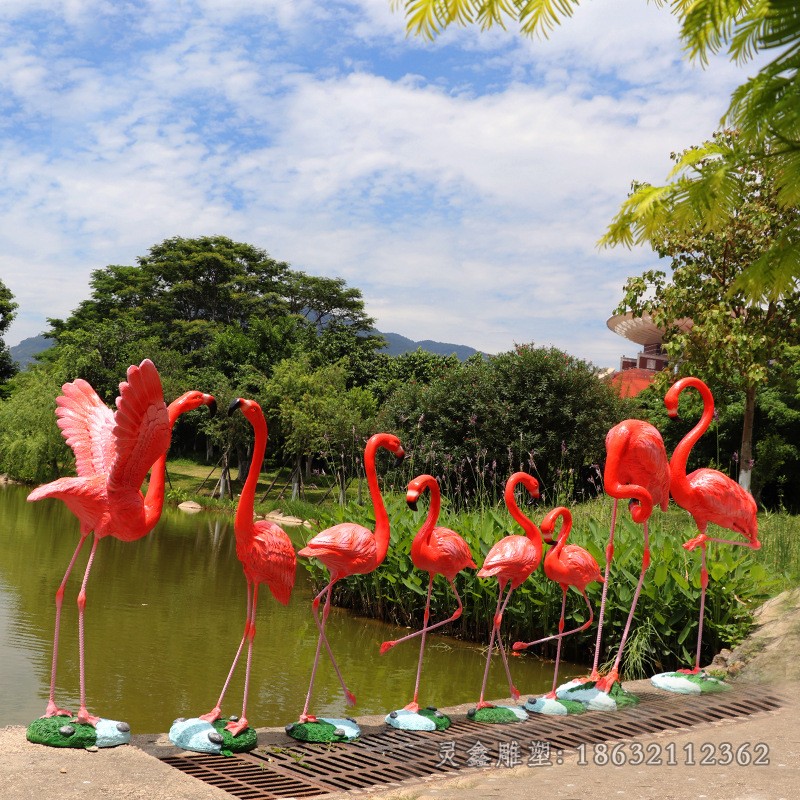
(24, 352)
(397, 345)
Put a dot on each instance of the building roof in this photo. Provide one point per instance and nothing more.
(630, 382)
(642, 330)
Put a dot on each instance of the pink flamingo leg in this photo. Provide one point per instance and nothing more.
(386, 646)
(349, 696)
(609, 556)
(414, 705)
(498, 617)
(605, 683)
(216, 712)
(83, 715)
(560, 638)
(562, 633)
(236, 727)
(703, 586)
(52, 709)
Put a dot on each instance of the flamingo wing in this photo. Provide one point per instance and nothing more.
(718, 499)
(141, 427)
(87, 424)
(270, 559)
(513, 558)
(345, 549)
(574, 567)
(450, 552)
(84, 497)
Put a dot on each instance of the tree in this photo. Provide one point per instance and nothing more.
(8, 310)
(733, 343)
(765, 110)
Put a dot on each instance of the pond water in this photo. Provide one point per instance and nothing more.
(165, 614)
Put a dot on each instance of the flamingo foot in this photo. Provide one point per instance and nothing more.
(413, 706)
(517, 646)
(514, 693)
(350, 698)
(235, 727)
(306, 718)
(483, 704)
(53, 710)
(211, 716)
(687, 671)
(696, 542)
(607, 681)
(386, 646)
(85, 718)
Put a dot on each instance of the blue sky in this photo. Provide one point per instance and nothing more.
(460, 184)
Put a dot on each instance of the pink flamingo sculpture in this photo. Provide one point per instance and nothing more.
(113, 453)
(437, 551)
(511, 560)
(709, 496)
(345, 549)
(568, 565)
(266, 554)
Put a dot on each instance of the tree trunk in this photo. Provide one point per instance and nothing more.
(746, 451)
(243, 456)
(297, 474)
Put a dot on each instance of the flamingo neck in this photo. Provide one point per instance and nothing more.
(243, 522)
(680, 456)
(154, 499)
(528, 525)
(381, 517)
(423, 536)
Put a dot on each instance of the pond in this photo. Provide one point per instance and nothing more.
(165, 614)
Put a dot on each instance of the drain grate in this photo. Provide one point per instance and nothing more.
(385, 756)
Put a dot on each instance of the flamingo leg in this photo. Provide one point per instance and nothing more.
(52, 709)
(216, 712)
(83, 715)
(552, 693)
(414, 705)
(236, 727)
(609, 556)
(608, 680)
(386, 646)
(498, 618)
(512, 689)
(703, 587)
(349, 696)
(562, 633)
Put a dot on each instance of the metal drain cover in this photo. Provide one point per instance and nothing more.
(388, 756)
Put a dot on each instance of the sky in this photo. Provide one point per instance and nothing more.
(460, 184)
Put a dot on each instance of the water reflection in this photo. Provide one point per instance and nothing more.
(164, 616)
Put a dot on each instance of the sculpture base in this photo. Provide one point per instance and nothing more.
(586, 692)
(688, 683)
(554, 706)
(61, 731)
(199, 736)
(324, 730)
(497, 715)
(426, 719)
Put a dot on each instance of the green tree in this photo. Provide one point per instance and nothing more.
(8, 309)
(733, 343)
(704, 188)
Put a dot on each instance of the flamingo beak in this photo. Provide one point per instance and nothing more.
(212, 406)
(399, 456)
(234, 405)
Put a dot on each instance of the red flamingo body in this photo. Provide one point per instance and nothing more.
(512, 560)
(567, 565)
(350, 549)
(265, 552)
(636, 469)
(707, 494)
(113, 453)
(437, 551)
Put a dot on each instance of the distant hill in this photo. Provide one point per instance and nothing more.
(24, 352)
(397, 345)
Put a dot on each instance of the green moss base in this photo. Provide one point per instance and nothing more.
(319, 731)
(243, 743)
(493, 715)
(622, 697)
(47, 731)
(442, 721)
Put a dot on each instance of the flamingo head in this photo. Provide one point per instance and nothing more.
(548, 526)
(416, 488)
(189, 401)
(249, 408)
(388, 441)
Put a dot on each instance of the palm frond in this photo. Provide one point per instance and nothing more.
(540, 17)
(777, 272)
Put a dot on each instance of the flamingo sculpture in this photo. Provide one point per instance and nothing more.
(113, 453)
(637, 469)
(266, 554)
(511, 561)
(568, 565)
(709, 496)
(345, 549)
(437, 551)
